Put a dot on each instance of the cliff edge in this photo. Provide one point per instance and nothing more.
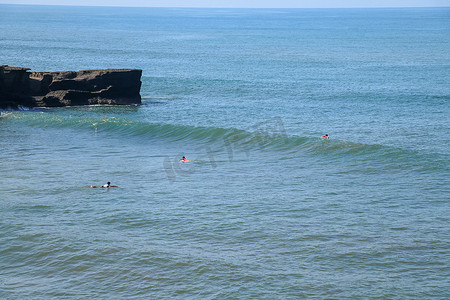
(18, 86)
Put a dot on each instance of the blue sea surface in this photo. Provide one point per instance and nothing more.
(268, 209)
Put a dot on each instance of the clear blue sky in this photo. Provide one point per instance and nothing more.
(240, 3)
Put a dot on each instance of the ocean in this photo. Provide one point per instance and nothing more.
(267, 209)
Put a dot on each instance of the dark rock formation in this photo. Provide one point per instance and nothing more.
(51, 89)
(14, 82)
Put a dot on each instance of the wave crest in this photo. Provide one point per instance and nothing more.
(252, 139)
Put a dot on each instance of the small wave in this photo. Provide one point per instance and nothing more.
(158, 97)
(148, 100)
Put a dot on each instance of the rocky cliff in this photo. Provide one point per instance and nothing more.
(18, 86)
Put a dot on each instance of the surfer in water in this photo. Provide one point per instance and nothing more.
(108, 185)
(325, 136)
(184, 159)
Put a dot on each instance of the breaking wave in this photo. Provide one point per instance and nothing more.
(264, 140)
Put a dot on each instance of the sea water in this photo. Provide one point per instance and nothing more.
(268, 209)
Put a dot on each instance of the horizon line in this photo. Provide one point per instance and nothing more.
(226, 7)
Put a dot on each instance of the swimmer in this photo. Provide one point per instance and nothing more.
(325, 136)
(108, 185)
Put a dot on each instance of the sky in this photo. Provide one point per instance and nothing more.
(240, 3)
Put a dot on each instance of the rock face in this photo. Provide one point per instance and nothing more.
(69, 88)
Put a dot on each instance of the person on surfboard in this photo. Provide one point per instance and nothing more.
(325, 136)
(184, 159)
(108, 185)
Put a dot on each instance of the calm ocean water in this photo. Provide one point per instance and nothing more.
(269, 210)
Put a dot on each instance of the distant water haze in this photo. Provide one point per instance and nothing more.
(243, 3)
